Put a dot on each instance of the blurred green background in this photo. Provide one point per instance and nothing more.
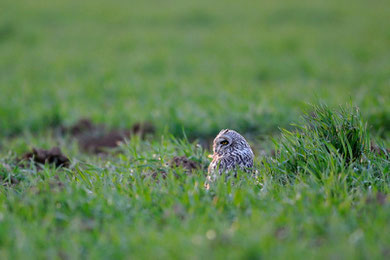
(193, 65)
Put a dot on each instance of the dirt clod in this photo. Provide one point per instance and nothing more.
(52, 156)
(99, 143)
(156, 174)
(95, 138)
(182, 161)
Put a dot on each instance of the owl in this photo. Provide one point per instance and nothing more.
(231, 152)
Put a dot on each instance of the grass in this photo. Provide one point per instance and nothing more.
(327, 141)
(331, 205)
(195, 68)
(121, 64)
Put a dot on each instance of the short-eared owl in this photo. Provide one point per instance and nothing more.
(231, 152)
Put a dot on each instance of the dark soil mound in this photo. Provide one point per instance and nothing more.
(52, 156)
(99, 143)
(95, 138)
(156, 174)
(184, 162)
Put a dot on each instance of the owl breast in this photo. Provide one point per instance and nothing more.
(231, 153)
(233, 161)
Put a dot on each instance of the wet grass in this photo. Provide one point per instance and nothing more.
(201, 67)
(193, 68)
(309, 200)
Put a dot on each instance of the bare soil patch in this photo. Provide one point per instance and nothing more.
(95, 138)
(41, 156)
(100, 143)
(185, 163)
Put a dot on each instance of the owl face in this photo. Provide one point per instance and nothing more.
(231, 151)
(228, 140)
(222, 142)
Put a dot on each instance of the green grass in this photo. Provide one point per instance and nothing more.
(113, 208)
(197, 67)
(249, 66)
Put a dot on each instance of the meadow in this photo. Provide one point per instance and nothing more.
(306, 82)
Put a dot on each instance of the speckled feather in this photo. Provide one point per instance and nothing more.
(236, 154)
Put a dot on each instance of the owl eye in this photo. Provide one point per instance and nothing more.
(224, 142)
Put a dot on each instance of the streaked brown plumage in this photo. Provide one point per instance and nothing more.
(231, 152)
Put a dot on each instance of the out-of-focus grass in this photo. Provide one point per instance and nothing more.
(196, 67)
(115, 209)
(203, 66)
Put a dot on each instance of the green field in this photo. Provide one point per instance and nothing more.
(192, 68)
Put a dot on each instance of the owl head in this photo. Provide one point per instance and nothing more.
(228, 141)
